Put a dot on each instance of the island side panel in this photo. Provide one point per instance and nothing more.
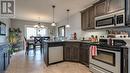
(52, 59)
(55, 54)
(45, 53)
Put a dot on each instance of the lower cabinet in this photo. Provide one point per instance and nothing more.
(71, 51)
(4, 58)
(1, 62)
(124, 60)
(78, 52)
(84, 54)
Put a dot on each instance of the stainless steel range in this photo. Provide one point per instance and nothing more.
(108, 58)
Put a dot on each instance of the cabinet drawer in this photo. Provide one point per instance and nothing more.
(72, 44)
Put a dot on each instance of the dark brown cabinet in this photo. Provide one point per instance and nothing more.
(78, 52)
(67, 52)
(84, 20)
(124, 60)
(115, 5)
(127, 10)
(84, 54)
(87, 18)
(100, 8)
(103, 7)
(91, 17)
(71, 51)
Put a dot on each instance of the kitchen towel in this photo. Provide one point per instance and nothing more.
(93, 50)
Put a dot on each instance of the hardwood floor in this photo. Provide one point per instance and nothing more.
(21, 63)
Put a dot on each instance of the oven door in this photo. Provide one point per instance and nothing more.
(105, 57)
(106, 60)
(104, 23)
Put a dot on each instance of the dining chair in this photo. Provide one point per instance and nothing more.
(27, 45)
(46, 38)
(38, 42)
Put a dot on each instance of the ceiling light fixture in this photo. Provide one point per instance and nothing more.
(53, 23)
(39, 24)
(67, 26)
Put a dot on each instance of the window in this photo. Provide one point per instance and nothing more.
(31, 31)
(42, 32)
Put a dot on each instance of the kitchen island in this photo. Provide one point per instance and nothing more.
(59, 51)
(79, 51)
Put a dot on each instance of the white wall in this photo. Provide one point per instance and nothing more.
(3, 39)
(75, 26)
(15, 23)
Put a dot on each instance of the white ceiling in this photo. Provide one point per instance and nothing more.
(32, 9)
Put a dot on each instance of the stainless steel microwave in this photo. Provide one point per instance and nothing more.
(110, 20)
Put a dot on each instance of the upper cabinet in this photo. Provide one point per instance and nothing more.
(87, 18)
(91, 17)
(115, 5)
(103, 7)
(100, 8)
(84, 19)
(127, 10)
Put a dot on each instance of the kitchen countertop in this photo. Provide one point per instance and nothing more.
(68, 41)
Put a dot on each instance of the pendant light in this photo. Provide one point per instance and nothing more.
(53, 23)
(67, 26)
(39, 24)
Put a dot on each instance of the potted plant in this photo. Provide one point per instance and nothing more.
(14, 38)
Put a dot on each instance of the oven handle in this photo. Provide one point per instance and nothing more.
(107, 50)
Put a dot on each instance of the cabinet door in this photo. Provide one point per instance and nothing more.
(127, 10)
(125, 61)
(115, 5)
(67, 50)
(75, 52)
(84, 54)
(91, 18)
(87, 19)
(6, 60)
(84, 19)
(67, 54)
(1, 63)
(71, 51)
(100, 8)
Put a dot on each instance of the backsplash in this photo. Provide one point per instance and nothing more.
(103, 32)
(98, 33)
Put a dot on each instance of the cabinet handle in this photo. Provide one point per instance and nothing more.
(124, 63)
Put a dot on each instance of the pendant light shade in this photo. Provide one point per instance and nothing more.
(67, 26)
(36, 26)
(39, 24)
(53, 23)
